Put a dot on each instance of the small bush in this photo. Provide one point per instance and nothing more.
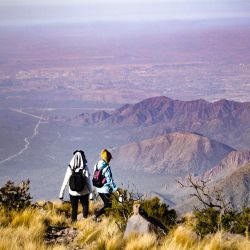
(153, 210)
(160, 211)
(14, 196)
(122, 211)
(237, 222)
(210, 220)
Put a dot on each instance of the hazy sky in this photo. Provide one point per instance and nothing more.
(45, 11)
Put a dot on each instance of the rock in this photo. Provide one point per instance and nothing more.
(60, 235)
(143, 224)
(138, 224)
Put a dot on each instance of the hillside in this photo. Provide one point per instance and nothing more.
(90, 118)
(225, 121)
(230, 163)
(236, 190)
(236, 187)
(177, 153)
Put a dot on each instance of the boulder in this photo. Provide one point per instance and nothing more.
(136, 223)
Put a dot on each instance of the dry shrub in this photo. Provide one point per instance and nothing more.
(54, 213)
(15, 197)
(225, 241)
(25, 229)
(21, 238)
(103, 235)
(180, 238)
(184, 238)
(141, 242)
(28, 218)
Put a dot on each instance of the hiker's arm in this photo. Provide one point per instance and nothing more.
(110, 182)
(87, 174)
(65, 182)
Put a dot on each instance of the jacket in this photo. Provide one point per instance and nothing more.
(110, 185)
(77, 164)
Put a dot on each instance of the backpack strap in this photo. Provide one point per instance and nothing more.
(95, 168)
(104, 170)
(80, 171)
(72, 171)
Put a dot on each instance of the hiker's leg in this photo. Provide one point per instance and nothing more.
(74, 205)
(84, 199)
(106, 198)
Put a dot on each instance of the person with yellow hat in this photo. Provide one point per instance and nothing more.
(108, 186)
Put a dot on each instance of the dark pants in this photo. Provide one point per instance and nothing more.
(106, 198)
(84, 199)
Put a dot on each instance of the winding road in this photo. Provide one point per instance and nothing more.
(27, 140)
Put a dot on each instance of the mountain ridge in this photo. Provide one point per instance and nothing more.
(175, 153)
(225, 121)
(231, 162)
(163, 107)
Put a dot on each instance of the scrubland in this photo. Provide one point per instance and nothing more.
(26, 229)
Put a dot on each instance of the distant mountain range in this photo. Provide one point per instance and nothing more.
(178, 153)
(224, 121)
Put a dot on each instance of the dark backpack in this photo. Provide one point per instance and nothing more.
(98, 178)
(77, 181)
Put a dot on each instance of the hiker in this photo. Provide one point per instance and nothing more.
(78, 177)
(104, 182)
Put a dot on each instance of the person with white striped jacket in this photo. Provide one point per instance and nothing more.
(78, 164)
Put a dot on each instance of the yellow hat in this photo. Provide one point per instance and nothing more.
(106, 155)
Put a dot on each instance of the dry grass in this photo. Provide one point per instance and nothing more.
(183, 238)
(103, 235)
(25, 230)
(141, 242)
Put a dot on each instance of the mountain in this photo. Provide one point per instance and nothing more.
(177, 153)
(236, 187)
(229, 164)
(224, 121)
(145, 113)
